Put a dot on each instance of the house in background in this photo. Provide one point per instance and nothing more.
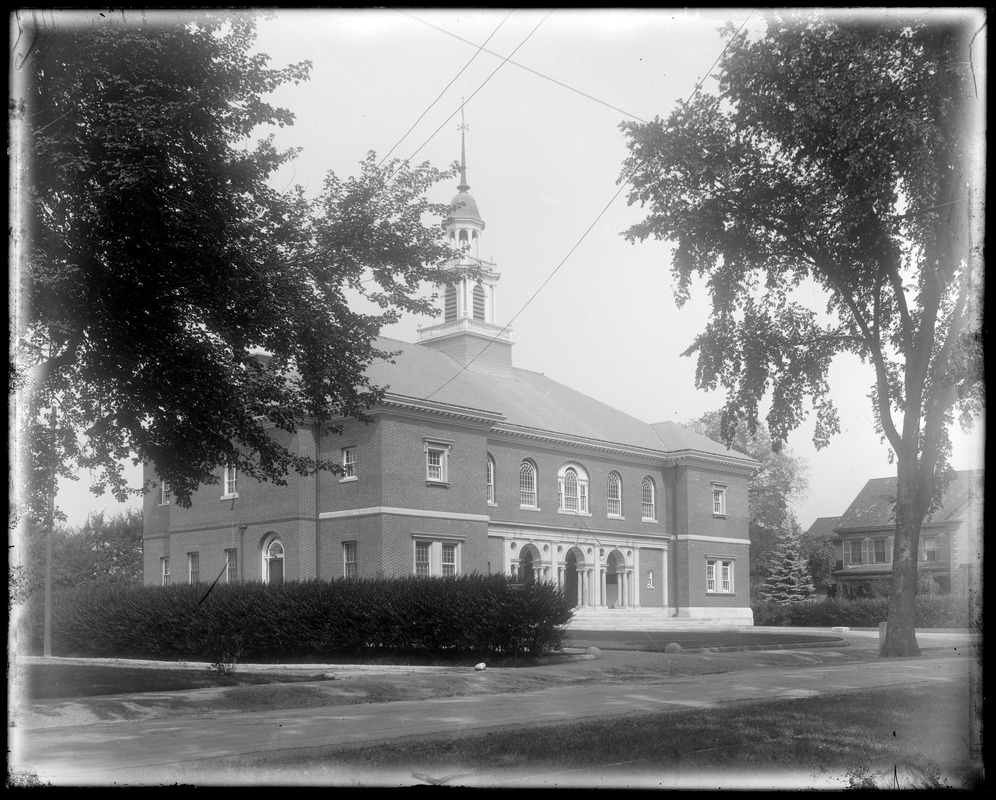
(473, 465)
(950, 540)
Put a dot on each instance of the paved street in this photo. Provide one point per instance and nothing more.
(148, 752)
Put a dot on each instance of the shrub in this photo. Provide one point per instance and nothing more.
(460, 614)
(932, 611)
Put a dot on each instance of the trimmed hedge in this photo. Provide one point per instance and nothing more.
(462, 614)
(932, 611)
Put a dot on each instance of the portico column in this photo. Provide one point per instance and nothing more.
(621, 578)
(577, 571)
(601, 580)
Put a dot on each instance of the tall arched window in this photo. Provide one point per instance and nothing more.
(573, 489)
(273, 561)
(491, 480)
(649, 504)
(527, 485)
(449, 303)
(479, 302)
(613, 495)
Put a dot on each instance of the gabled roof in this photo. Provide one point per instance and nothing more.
(823, 528)
(529, 403)
(874, 507)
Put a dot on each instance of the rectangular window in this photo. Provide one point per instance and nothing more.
(929, 548)
(650, 579)
(437, 462)
(449, 559)
(348, 463)
(194, 567)
(879, 551)
(165, 563)
(231, 477)
(491, 481)
(719, 501)
(232, 566)
(422, 558)
(719, 575)
(164, 494)
(349, 559)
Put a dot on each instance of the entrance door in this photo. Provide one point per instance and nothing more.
(571, 576)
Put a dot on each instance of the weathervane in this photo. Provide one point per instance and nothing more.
(462, 127)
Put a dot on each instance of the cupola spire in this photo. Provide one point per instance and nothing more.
(464, 186)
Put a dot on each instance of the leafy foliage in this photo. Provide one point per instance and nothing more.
(463, 614)
(159, 262)
(820, 556)
(935, 611)
(837, 161)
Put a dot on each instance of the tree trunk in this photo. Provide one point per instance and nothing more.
(900, 635)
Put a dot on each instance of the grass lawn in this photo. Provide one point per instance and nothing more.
(922, 732)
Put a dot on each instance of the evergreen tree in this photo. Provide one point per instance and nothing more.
(788, 578)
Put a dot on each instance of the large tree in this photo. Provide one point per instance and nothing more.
(779, 480)
(156, 261)
(837, 157)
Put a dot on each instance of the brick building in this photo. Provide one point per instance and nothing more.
(471, 464)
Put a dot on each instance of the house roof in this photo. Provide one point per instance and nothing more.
(530, 402)
(823, 528)
(874, 507)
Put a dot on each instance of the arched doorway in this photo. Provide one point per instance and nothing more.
(530, 569)
(574, 565)
(273, 561)
(615, 566)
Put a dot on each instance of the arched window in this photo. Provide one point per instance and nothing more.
(613, 495)
(450, 304)
(273, 561)
(479, 302)
(464, 243)
(649, 504)
(573, 482)
(527, 484)
(491, 480)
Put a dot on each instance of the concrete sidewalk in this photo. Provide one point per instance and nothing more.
(156, 752)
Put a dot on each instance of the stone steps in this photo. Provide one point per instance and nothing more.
(642, 619)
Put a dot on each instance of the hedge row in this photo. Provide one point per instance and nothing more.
(932, 611)
(462, 614)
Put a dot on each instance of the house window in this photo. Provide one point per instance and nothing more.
(853, 551)
(194, 567)
(348, 463)
(613, 494)
(650, 579)
(573, 490)
(879, 551)
(928, 548)
(436, 557)
(527, 485)
(437, 462)
(232, 566)
(164, 494)
(231, 477)
(165, 563)
(491, 481)
(719, 575)
(422, 552)
(273, 562)
(718, 500)
(349, 559)
(649, 504)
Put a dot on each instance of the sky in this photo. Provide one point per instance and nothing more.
(543, 95)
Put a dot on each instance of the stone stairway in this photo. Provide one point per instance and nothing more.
(642, 619)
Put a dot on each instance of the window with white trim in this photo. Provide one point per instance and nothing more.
(164, 494)
(573, 482)
(718, 500)
(231, 566)
(165, 570)
(349, 559)
(880, 551)
(853, 551)
(648, 504)
(437, 456)
(719, 575)
(231, 480)
(194, 567)
(273, 561)
(613, 495)
(348, 463)
(491, 480)
(527, 485)
(437, 557)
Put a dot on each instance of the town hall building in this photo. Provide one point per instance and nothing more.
(471, 464)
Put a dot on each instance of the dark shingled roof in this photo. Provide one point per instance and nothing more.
(823, 528)
(874, 505)
(529, 400)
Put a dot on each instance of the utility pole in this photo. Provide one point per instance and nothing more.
(49, 524)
